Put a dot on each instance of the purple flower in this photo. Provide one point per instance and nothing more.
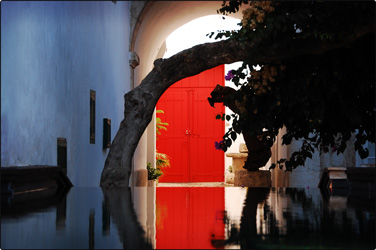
(229, 75)
(218, 145)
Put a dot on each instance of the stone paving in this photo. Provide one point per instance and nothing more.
(194, 184)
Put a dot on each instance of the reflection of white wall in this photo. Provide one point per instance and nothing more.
(53, 53)
(234, 203)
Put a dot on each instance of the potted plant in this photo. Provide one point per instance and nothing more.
(153, 173)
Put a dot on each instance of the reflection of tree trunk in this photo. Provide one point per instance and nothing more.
(119, 204)
(248, 229)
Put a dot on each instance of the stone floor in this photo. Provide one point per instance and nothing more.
(194, 184)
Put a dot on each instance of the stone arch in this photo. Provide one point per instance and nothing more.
(149, 30)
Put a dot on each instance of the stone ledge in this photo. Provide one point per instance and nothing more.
(238, 160)
(261, 178)
(237, 155)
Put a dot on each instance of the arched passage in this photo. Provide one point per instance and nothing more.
(156, 21)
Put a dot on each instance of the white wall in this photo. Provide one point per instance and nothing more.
(239, 139)
(52, 54)
(370, 160)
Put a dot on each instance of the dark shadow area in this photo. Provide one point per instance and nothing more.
(29, 189)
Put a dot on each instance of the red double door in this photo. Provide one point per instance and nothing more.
(193, 129)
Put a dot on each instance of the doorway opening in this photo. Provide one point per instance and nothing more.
(193, 130)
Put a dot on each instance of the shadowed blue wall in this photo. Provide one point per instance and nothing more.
(52, 54)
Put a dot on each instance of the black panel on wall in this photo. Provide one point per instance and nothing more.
(62, 153)
(106, 133)
(92, 117)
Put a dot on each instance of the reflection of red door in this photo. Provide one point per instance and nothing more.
(193, 129)
(190, 217)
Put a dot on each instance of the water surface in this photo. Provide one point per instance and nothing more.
(190, 217)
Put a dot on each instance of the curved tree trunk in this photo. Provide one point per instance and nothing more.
(140, 102)
(258, 153)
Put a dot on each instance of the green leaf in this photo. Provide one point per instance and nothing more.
(233, 136)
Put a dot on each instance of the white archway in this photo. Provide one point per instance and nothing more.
(158, 20)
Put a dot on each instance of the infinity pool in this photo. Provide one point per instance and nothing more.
(190, 217)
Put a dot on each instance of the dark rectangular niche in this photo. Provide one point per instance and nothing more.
(62, 153)
(106, 133)
(92, 117)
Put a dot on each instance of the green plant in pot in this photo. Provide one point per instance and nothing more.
(153, 173)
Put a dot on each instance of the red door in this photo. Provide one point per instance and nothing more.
(193, 129)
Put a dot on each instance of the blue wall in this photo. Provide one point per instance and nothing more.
(52, 54)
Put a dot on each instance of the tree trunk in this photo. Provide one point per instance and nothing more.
(258, 153)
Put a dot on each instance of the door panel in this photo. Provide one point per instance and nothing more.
(206, 163)
(174, 142)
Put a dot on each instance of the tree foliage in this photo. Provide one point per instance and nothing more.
(162, 160)
(159, 124)
(323, 93)
(293, 34)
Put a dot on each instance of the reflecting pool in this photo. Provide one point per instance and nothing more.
(190, 217)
